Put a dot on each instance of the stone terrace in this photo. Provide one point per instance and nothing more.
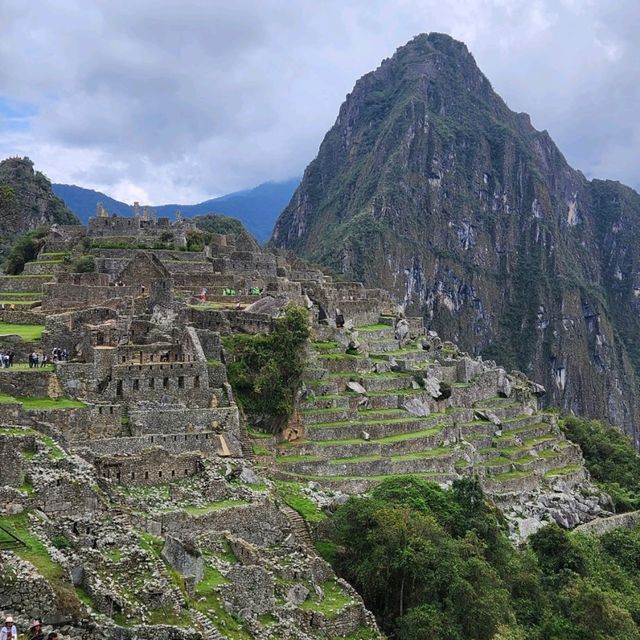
(417, 406)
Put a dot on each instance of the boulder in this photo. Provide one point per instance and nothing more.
(248, 475)
(504, 385)
(297, 594)
(402, 330)
(356, 387)
(184, 557)
(417, 407)
(432, 385)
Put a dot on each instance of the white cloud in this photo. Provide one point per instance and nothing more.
(164, 101)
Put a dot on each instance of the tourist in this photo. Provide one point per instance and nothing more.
(12, 355)
(43, 360)
(31, 361)
(9, 631)
(35, 357)
(35, 631)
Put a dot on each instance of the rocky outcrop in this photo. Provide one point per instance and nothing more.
(430, 186)
(27, 200)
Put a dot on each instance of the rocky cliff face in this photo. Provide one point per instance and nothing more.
(430, 186)
(27, 200)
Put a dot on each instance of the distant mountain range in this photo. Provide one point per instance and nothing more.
(256, 208)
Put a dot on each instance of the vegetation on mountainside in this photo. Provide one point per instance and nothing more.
(25, 248)
(610, 458)
(26, 200)
(265, 370)
(436, 564)
(217, 223)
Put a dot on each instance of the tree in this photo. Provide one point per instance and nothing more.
(266, 370)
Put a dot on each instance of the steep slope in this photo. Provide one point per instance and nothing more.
(256, 208)
(26, 200)
(430, 186)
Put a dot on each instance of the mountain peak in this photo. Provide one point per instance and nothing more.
(431, 187)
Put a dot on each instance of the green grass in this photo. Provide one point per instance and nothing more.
(327, 549)
(401, 437)
(510, 475)
(260, 451)
(335, 599)
(24, 366)
(215, 506)
(291, 493)
(50, 403)
(55, 452)
(17, 303)
(208, 601)
(368, 423)
(28, 332)
(41, 404)
(321, 345)
(298, 458)
(374, 327)
(562, 471)
(21, 294)
(36, 553)
(212, 578)
(113, 555)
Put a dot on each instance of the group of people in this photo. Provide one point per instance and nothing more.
(10, 632)
(6, 359)
(42, 359)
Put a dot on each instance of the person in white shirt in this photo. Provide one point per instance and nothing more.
(9, 631)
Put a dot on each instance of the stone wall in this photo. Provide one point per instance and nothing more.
(21, 316)
(261, 524)
(154, 466)
(23, 284)
(164, 420)
(62, 296)
(30, 382)
(66, 495)
(600, 526)
(207, 443)
(170, 383)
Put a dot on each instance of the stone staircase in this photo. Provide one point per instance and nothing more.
(419, 407)
(300, 528)
(209, 632)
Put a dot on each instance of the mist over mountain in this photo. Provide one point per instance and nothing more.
(256, 208)
(430, 186)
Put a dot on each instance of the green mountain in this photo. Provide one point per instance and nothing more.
(429, 185)
(257, 208)
(26, 201)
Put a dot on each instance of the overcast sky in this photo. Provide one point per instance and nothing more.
(182, 100)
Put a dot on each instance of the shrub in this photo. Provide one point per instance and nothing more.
(84, 264)
(610, 458)
(25, 248)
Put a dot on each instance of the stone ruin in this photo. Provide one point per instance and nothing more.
(138, 476)
(143, 487)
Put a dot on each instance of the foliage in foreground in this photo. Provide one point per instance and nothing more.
(265, 370)
(610, 458)
(436, 564)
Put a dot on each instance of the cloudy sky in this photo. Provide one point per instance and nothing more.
(181, 100)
